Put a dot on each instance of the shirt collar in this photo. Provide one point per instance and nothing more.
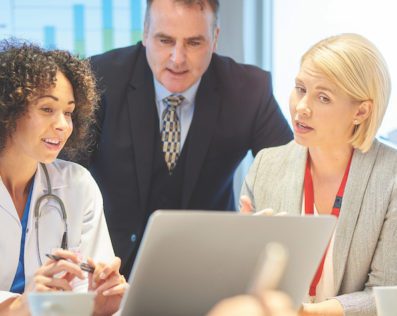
(162, 92)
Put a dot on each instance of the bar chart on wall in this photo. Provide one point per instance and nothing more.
(85, 27)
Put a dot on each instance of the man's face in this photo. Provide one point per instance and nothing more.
(179, 41)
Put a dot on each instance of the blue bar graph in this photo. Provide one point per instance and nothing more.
(49, 37)
(78, 29)
(107, 20)
(85, 27)
(136, 20)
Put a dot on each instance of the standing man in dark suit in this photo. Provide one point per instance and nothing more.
(176, 120)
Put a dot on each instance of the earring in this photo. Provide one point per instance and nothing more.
(356, 122)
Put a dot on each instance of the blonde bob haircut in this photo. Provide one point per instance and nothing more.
(356, 66)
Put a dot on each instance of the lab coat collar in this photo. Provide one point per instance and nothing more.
(40, 187)
(6, 203)
(56, 178)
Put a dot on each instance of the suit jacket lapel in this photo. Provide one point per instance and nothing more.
(207, 105)
(360, 171)
(142, 111)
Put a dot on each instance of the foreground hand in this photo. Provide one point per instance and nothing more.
(246, 207)
(329, 307)
(56, 275)
(52, 276)
(270, 304)
(109, 286)
(277, 304)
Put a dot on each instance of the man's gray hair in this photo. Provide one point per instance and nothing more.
(213, 4)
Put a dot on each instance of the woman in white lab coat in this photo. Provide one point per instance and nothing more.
(47, 98)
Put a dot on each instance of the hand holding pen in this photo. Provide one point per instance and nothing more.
(63, 266)
(104, 278)
(84, 266)
(56, 275)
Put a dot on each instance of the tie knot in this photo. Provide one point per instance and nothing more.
(174, 100)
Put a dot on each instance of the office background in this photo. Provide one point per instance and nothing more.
(271, 34)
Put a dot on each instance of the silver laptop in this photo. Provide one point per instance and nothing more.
(190, 260)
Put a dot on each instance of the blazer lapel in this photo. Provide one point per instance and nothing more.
(142, 111)
(207, 105)
(291, 199)
(360, 171)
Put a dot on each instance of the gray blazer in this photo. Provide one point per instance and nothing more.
(365, 248)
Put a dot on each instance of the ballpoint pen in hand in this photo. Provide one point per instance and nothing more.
(83, 266)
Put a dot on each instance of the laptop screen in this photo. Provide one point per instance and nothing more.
(190, 260)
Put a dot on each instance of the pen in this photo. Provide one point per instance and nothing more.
(83, 266)
(270, 269)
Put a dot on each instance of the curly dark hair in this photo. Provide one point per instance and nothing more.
(27, 71)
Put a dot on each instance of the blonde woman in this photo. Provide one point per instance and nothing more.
(336, 166)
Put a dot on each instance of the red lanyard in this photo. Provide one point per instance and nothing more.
(309, 210)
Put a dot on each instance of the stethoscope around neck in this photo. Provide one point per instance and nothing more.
(37, 214)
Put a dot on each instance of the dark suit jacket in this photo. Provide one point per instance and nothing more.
(235, 111)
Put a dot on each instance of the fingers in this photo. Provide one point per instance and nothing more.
(237, 306)
(103, 271)
(115, 285)
(56, 275)
(106, 278)
(246, 205)
(43, 283)
(278, 303)
(265, 212)
(247, 208)
(68, 277)
(66, 254)
(53, 267)
(107, 269)
(117, 290)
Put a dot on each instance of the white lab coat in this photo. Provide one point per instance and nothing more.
(87, 229)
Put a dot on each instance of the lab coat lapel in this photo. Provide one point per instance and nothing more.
(56, 178)
(39, 188)
(6, 203)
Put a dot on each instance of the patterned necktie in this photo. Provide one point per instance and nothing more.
(171, 131)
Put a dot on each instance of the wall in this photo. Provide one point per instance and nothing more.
(300, 23)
